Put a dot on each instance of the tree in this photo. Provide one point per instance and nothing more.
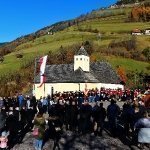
(121, 72)
(62, 54)
(146, 53)
(136, 54)
(1, 59)
(88, 47)
(19, 55)
(50, 59)
(70, 55)
(141, 13)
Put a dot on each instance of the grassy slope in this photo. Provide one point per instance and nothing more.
(108, 25)
(129, 64)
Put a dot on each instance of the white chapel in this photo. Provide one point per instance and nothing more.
(75, 76)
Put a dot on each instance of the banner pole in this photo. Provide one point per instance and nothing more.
(35, 66)
(44, 87)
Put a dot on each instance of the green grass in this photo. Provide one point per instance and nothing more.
(53, 43)
(128, 64)
(70, 36)
(117, 27)
(143, 42)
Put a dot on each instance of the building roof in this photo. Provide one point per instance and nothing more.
(100, 72)
(136, 31)
(82, 51)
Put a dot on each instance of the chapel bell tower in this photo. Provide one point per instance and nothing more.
(82, 60)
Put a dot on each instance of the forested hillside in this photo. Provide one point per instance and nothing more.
(106, 34)
(119, 2)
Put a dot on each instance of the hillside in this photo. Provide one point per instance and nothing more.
(105, 33)
(2, 44)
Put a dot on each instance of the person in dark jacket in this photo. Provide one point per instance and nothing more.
(23, 116)
(126, 117)
(30, 117)
(16, 113)
(3, 111)
(12, 125)
(99, 115)
(33, 103)
(73, 116)
(20, 100)
(55, 130)
(85, 118)
(67, 115)
(2, 121)
(113, 111)
(1, 102)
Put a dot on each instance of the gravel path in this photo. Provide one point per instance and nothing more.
(71, 141)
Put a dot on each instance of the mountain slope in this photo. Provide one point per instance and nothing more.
(107, 30)
(2, 44)
(110, 28)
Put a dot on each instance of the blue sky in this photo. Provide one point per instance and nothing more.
(21, 17)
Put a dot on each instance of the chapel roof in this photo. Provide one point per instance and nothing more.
(100, 72)
(82, 51)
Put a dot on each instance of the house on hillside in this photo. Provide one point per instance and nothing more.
(77, 76)
(147, 31)
(114, 6)
(137, 32)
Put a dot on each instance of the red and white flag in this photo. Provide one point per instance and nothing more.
(42, 63)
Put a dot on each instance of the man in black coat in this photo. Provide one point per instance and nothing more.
(30, 116)
(113, 111)
(85, 116)
(73, 116)
(23, 117)
(2, 121)
(101, 115)
(12, 125)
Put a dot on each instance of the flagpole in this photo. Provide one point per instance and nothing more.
(35, 66)
(44, 86)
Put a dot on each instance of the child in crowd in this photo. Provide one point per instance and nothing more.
(4, 140)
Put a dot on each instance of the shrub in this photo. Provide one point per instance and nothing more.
(146, 53)
(1, 59)
(19, 55)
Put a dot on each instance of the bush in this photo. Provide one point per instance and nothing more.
(128, 44)
(19, 55)
(1, 59)
(146, 53)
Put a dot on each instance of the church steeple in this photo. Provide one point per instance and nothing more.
(81, 59)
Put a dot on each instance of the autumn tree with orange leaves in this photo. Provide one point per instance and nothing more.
(122, 74)
(141, 13)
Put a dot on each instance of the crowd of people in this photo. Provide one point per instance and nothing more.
(78, 112)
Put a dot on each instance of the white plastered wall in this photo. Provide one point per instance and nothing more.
(61, 87)
(82, 61)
